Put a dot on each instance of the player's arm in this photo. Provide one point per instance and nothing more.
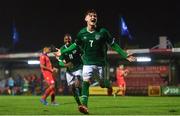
(63, 63)
(57, 54)
(116, 47)
(121, 52)
(71, 47)
(126, 72)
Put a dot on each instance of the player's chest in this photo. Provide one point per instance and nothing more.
(71, 53)
(47, 61)
(95, 39)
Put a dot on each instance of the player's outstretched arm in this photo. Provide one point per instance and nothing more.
(131, 58)
(120, 51)
(71, 47)
(57, 52)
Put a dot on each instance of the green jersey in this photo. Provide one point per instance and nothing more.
(73, 56)
(94, 45)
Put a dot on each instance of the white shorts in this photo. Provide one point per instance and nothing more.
(93, 71)
(72, 76)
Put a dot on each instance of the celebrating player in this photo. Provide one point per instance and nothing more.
(93, 40)
(121, 72)
(72, 60)
(47, 71)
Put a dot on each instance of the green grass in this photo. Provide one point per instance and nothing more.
(98, 105)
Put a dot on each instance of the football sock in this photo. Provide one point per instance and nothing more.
(85, 93)
(53, 95)
(75, 92)
(47, 92)
(80, 91)
(110, 90)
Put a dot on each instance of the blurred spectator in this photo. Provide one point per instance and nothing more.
(25, 85)
(32, 84)
(18, 80)
(2, 85)
(11, 86)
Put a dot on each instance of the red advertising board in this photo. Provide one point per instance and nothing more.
(147, 71)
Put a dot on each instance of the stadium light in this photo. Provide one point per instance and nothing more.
(33, 62)
(143, 59)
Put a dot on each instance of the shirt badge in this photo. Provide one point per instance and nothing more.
(97, 36)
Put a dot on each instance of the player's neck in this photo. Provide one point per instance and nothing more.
(91, 29)
(67, 45)
(45, 53)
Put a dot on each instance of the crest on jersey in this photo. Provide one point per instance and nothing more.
(97, 36)
(84, 37)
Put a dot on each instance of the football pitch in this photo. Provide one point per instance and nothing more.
(98, 105)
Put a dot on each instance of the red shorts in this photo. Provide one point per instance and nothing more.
(121, 83)
(48, 77)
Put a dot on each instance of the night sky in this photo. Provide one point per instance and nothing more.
(44, 22)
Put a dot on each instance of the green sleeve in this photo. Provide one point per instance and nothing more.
(61, 63)
(119, 50)
(71, 47)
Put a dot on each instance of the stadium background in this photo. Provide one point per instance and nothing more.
(145, 78)
(27, 26)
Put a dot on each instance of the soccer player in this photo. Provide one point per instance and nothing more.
(73, 63)
(121, 72)
(93, 41)
(47, 71)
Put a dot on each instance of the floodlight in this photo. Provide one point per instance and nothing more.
(143, 59)
(33, 62)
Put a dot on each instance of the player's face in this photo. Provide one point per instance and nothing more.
(91, 19)
(47, 50)
(67, 40)
(121, 67)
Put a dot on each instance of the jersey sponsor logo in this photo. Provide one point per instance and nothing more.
(97, 36)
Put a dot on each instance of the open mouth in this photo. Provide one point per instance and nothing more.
(94, 20)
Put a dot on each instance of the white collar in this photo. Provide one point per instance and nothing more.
(90, 31)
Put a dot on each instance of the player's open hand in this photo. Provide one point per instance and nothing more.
(57, 53)
(131, 58)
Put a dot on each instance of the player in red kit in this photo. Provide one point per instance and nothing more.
(121, 72)
(48, 71)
